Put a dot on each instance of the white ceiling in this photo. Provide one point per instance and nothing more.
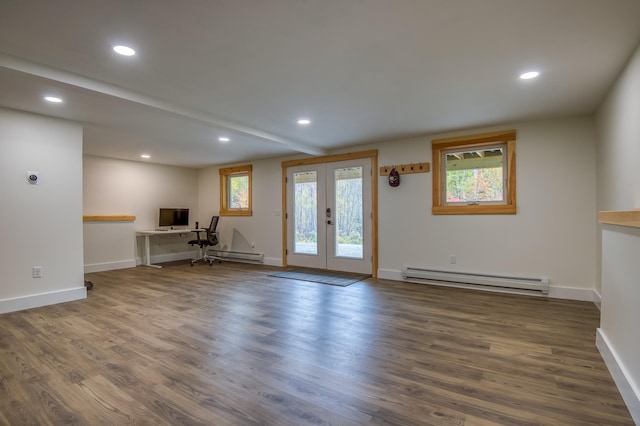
(361, 70)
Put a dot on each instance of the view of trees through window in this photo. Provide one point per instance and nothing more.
(349, 205)
(306, 209)
(239, 192)
(475, 176)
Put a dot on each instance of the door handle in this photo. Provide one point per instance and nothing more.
(329, 222)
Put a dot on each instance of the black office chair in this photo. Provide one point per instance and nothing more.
(202, 243)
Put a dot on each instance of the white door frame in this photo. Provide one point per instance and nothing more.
(373, 155)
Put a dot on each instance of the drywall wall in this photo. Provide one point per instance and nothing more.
(117, 187)
(552, 234)
(618, 188)
(108, 245)
(260, 232)
(41, 224)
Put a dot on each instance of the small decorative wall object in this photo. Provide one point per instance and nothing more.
(394, 178)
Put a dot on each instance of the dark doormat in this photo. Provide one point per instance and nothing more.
(341, 279)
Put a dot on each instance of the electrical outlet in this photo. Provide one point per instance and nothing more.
(453, 259)
(37, 272)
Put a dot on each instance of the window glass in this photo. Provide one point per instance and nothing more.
(475, 176)
(239, 192)
(348, 215)
(305, 202)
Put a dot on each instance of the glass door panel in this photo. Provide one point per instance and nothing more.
(305, 207)
(348, 228)
(306, 235)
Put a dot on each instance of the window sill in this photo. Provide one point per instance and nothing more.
(236, 213)
(475, 209)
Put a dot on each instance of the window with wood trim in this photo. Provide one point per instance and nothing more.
(235, 191)
(475, 174)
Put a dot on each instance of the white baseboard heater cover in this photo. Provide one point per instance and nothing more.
(235, 256)
(538, 284)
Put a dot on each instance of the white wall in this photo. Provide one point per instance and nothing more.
(263, 229)
(41, 224)
(109, 245)
(618, 184)
(117, 187)
(552, 234)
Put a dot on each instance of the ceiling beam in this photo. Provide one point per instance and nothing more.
(43, 71)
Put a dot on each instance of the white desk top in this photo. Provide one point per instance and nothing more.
(164, 232)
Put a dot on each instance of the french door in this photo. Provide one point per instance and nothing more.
(329, 216)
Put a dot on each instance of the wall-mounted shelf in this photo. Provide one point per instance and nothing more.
(118, 218)
(405, 169)
(629, 218)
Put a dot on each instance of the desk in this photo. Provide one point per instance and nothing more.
(147, 234)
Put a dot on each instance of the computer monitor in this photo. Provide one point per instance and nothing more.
(173, 217)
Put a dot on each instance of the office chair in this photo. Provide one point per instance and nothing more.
(210, 240)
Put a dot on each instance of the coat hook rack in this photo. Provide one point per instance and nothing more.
(405, 169)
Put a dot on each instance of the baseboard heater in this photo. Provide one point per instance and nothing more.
(506, 283)
(234, 256)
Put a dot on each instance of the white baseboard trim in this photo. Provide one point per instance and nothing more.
(556, 292)
(628, 389)
(390, 274)
(571, 293)
(42, 299)
(109, 266)
(597, 299)
(273, 261)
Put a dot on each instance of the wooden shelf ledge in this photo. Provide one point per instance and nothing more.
(629, 218)
(118, 218)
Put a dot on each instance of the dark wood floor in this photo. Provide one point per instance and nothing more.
(230, 345)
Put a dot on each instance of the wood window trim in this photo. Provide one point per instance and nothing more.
(475, 141)
(225, 174)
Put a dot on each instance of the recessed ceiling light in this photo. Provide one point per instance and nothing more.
(529, 75)
(304, 121)
(224, 139)
(145, 156)
(124, 50)
(53, 99)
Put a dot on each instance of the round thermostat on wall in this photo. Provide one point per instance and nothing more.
(32, 178)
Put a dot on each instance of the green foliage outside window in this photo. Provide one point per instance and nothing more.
(239, 192)
(306, 220)
(476, 185)
(349, 210)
